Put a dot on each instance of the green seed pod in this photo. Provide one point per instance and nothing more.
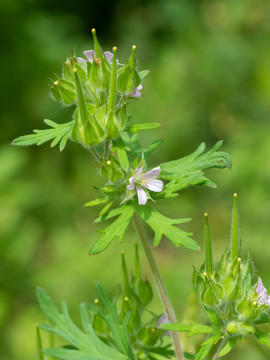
(111, 129)
(233, 328)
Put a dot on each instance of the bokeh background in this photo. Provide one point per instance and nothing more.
(209, 80)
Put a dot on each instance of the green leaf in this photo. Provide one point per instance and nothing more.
(57, 133)
(134, 128)
(118, 329)
(116, 230)
(101, 200)
(144, 73)
(228, 347)
(206, 347)
(192, 328)
(88, 345)
(120, 147)
(215, 321)
(262, 337)
(182, 182)
(196, 161)
(163, 225)
(133, 144)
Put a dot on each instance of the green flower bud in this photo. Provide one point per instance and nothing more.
(129, 78)
(109, 189)
(111, 169)
(238, 328)
(64, 91)
(111, 129)
(232, 328)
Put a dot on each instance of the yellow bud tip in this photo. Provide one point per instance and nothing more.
(122, 252)
(109, 162)
(133, 47)
(126, 298)
(254, 303)
(239, 259)
(74, 70)
(235, 195)
(153, 330)
(204, 273)
(114, 49)
(93, 31)
(96, 301)
(56, 83)
(206, 214)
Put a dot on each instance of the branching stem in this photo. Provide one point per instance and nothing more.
(159, 285)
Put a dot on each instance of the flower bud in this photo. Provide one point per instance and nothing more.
(129, 78)
(64, 91)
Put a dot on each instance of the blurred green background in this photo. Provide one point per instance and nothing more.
(209, 80)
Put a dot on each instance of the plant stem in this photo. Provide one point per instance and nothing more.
(219, 348)
(159, 285)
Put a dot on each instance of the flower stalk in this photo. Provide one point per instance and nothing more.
(208, 247)
(168, 309)
(235, 229)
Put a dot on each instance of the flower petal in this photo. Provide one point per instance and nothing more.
(154, 185)
(152, 173)
(136, 92)
(89, 54)
(108, 55)
(138, 171)
(131, 183)
(263, 297)
(142, 196)
(81, 59)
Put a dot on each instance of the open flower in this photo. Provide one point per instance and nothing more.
(263, 297)
(90, 55)
(136, 92)
(146, 180)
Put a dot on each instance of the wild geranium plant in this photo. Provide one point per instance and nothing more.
(99, 87)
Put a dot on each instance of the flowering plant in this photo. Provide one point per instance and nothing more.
(99, 88)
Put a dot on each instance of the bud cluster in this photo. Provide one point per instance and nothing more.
(227, 288)
(133, 297)
(99, 86)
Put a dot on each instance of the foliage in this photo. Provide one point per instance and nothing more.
(112, 329)
(233, 304)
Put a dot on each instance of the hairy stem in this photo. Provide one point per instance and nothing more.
(159, 285)
(219, 347)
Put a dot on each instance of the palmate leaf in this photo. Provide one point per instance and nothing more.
(163, 225)
(132, 142)
(118, 329)
(197, 161)
(116, 230)
(59, 133)
(85, 345)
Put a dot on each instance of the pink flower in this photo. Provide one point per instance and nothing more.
(146, 180)
(263, 297)
(90, 54)
(136, 93)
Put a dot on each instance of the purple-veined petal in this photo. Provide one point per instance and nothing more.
(263, 297)
(142, 196)
(152, 174)
(136, 92)
(138, 171)
(154, 185)
(108, 55)
(81, 59)
(131, 183)
(89, 54)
